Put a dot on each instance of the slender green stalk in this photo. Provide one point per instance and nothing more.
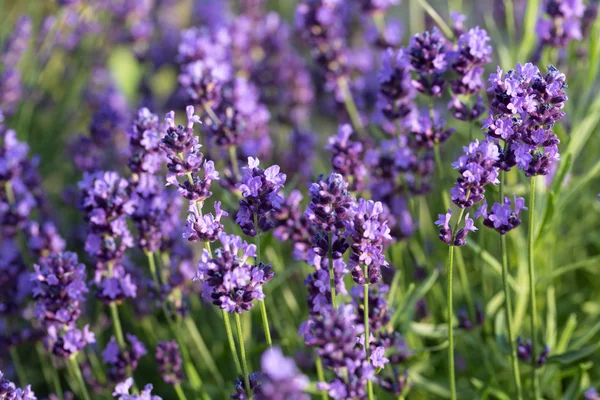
(43, 363)
(367, 327)
(508, 303)
(14, 355)
(437, 18)
(532, 300)
(240, 334)
(234, 161)
(114, 314)
(56, 383)
(232, 346)
(180, 393)
(79, 377)
(152, 265)
(331, 272)
(207, 358)
(350, 105)
(263, 307)
(321, 376)
(451, 375)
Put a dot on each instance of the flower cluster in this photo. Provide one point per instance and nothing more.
(280, 378)
(333, 334)
(368, 233)
(9, 391)
(525, 106)
(396, 99)
(459, 237)
(240, 387)
(168, 358)
(346, 157)
(228, 281)
(291, 224)
(260, 190)
(561, 22)
(10, 79)
(525, 350)
(121, 392)
(502, 217)
(119, 360)
(330, 203)
(427, 53)
(477, 167)
(44, 239)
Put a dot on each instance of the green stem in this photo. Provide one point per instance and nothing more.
(436, 17)
(114, 314)
(234, 161)
(331, 272)
(350, 105)
(56, 384)
(232, 346)
(532, 300)
(440, 173)
(450, 327)
(14, 354)
(44, 364)
(179, 391)
(201, 347)
(240, 334)
(79, 376)
(321, 376)
(367, 327)
(265, 319)
(508, 303)
(152, 264)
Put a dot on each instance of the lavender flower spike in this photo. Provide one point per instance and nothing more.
(280, 378)
(9, 391)
(168, 359)
(260, 189)
(502, 217)
(121, 392)
(446, 231)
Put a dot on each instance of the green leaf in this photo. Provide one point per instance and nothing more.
(494, 392)
(429, 386)
(570, 357)
(410, 302)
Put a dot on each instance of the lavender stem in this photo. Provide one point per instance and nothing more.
(240, 334)
(367, 328)
(232, 345)
(77, 372)
(321, 376)
(331, 272)
(350, 105)
(532, 300)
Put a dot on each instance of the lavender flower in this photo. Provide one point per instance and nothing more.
(318, 284)
(144, 143)
(291, 224)
(17, 43)
(459, 239)
(240, 387)
(14, 279)
(260, 189)
(428, 57)
(280, 378)
(477, 168)
(346, 157)
(168, 358)
(502, 217)
(119, 360)
(121, 392)
(330, 203)
(65, 343)
(9, 391)
(44, 240)
(524, 108)
(228, 281)
(397, 384)
(368, 235)
(423, 132)
(524, 352)
(564, 22)
(377, 5)
(591, 394)
(397, 92)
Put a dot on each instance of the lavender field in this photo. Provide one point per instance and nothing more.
(294, 200)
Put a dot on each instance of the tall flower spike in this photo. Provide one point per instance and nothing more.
(347, 157)
(119, 360)
(446, 231)
(368, 234)
(228, 281)
(9, 391)
(168, 359)
(280, 378)
(396, 99)
(561, 22)
(428, 57)
(330, 203)
(121, 392)
(260, 190)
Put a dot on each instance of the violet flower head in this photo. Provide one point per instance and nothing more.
(205, 228)
(524, 107)
(502, 217)
(66, 342)
(291, 224)
(121, 392)
(260, 190)
(561, 23)
(170, 364)
(377, 5)
(368, 234)
(347, 157)
(330, 203)
(591, 394)
(428, 54)
(228, 281)
(379, 312)
(17, 43)
(477, 168)
(145, 136)
(118, 360)
(397, 93)
(333, 334)
(14, 279)
(59, 289)
(525, 349)
(44, 239)
(318, 283)
(446, 236)
(280, 378)
(424, 132)
(10, 391)
(255, 380)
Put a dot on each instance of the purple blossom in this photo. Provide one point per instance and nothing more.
(396, 90)
(502, 217)
(330, 203)
(228, 281)
(525, 349)
(591, 394)
(428, 54)
(118, 360)
(280, 378)
(347, 157)
(423, 132)
(377, 5)
(9, 391)
(377, 357)
(121, 392)
(44, 239)
(66, 342)
(459, 239)
(561, 23)
(254, 379)
(260, 190)
(168, 359)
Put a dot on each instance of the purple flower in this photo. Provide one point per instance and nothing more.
(502, 217)
(347, 157)
(280, 378)
(368, 234)
(424, 133)
(254, 379)
(66, 342)
(396, 90)
(428, 54)
(168, 359)
(44, 240)
(591, 394)
(525, 349)
(121, 392)
(377, 357)
(119, 360)
(377, 5)
(330, 203)
(260, 190)
(459, 239)
(291, 224)
(564, 22)
(228, 281)
(9, 391)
